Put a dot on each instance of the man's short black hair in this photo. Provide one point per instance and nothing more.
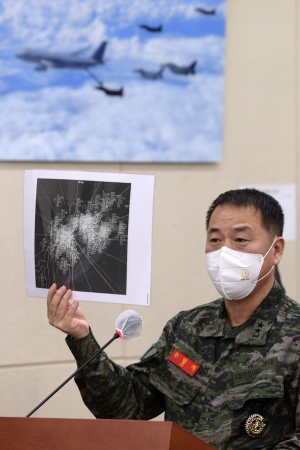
(271, 211)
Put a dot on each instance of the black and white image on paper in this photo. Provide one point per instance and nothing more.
(81, 235)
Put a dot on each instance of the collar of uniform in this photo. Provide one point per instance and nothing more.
(255, 330)
(213, 323)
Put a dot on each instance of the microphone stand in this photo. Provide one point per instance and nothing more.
(116, 336)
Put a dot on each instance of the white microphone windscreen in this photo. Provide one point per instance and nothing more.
(129, 325)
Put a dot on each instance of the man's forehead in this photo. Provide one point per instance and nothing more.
(236, 218)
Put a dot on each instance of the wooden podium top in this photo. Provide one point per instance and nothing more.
(91, 434)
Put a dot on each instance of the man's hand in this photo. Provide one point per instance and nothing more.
(65, 314)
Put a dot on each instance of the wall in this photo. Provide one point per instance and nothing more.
(261, 146)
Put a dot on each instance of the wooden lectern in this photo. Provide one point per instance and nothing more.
(90, 434)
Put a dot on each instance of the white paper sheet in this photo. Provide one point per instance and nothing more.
(90, 231)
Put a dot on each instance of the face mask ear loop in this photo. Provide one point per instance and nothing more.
(270, 250)
(265, 275)
(264, 258)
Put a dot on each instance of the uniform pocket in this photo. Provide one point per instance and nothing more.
(174, 383)
(263, 396)
(263, 387)
(178, 389)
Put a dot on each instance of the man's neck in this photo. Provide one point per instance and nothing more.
(239, 311)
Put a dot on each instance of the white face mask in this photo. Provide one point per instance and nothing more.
(235, 274)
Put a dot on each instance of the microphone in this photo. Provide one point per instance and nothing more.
(128, 326)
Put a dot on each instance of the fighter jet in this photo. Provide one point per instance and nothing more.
(208, 12)
(150, 75)
(100, 86)
(111, 92)
(43, 59)
(182, 70)
(151, 29)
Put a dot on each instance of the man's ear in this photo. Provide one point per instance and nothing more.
(278, 250)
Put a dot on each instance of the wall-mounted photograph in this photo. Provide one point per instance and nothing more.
(118, 81)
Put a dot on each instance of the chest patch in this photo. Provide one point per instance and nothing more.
(184, 363)
(248, 375)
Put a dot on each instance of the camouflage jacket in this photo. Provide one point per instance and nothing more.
(250, 369)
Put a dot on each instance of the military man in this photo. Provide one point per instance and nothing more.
(227, 371)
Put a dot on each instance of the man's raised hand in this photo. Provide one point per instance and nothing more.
(65, 314)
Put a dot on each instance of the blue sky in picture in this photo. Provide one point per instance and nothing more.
(58, 115)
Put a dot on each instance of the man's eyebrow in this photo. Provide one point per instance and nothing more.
(213, 230)
(241, 228)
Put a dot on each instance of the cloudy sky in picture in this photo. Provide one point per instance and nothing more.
(60, 114)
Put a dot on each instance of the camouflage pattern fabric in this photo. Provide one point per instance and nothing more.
(249, 369)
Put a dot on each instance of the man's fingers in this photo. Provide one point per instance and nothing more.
(54, 297)
(65, 314)
(58, 303)
(67, 323)
(64, 300)
(51, 293)
(71, 311)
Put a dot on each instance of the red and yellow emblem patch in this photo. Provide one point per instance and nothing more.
(184, 363)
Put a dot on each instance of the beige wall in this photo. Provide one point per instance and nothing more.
(261, 146)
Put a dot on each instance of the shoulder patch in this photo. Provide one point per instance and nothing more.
(183, 362)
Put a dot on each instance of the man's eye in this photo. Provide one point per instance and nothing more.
(214, 240)
(241, 240)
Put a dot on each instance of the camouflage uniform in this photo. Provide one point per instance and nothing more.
(249, 369)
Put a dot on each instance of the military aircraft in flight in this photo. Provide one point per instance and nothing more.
(111, 92)
(208, 12)
(157, 29)
(43, 60)
(100, 86)
(149, 74)
(182, 70)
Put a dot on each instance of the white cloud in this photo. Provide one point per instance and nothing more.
(208, 49)
(86, 125)
(41, 20)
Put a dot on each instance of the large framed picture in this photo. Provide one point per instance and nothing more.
(117, 81)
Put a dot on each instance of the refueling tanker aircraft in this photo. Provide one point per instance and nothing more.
(43, 60)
